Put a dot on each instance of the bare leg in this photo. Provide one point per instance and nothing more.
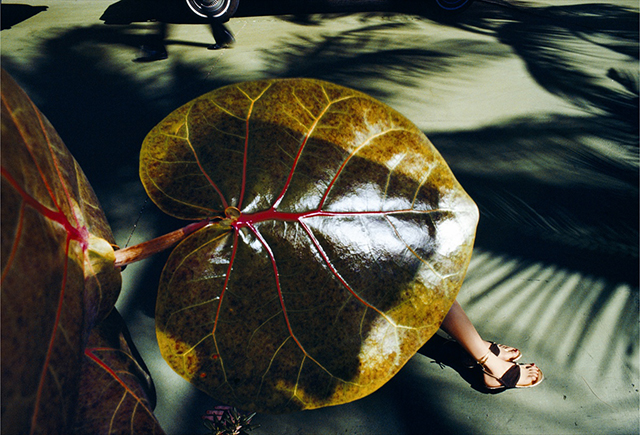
(457, 325)
(222, 35)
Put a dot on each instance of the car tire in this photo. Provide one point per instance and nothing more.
(219, 10)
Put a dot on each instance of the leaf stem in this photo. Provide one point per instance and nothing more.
(146, 249)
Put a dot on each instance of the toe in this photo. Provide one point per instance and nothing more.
(530, 375)
(505, 353)
(508, 353)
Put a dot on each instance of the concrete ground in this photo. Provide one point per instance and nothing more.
(533, 103)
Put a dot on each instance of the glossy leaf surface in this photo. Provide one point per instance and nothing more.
(58, 277)
(116, 391)
(345, 242)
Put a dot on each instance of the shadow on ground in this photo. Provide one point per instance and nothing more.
(12, 14)
(561, 190)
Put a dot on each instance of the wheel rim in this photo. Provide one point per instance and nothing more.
(452, 5)
(209, 8)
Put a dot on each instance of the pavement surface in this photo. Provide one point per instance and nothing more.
(534, 104)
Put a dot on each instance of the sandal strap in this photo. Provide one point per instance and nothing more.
(511, 377)
(497, 348)
(494, 348)
(484, 358)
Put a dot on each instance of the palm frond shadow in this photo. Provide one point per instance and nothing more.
(570, 306)
(361, 57)
(563, 315)
(545, 243)
(548, 182)
(571, 49)
(556, 43)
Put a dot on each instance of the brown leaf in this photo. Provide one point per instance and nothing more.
(58, 277)
(344, 242)
(116, 390)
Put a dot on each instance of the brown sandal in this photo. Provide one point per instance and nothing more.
(510, 378)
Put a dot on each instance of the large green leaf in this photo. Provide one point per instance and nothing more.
(58, 274)
(341, 243)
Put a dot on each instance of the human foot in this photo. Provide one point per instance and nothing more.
(500, 374)
(505, 353)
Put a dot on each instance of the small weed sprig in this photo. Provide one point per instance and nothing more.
(226, 420)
